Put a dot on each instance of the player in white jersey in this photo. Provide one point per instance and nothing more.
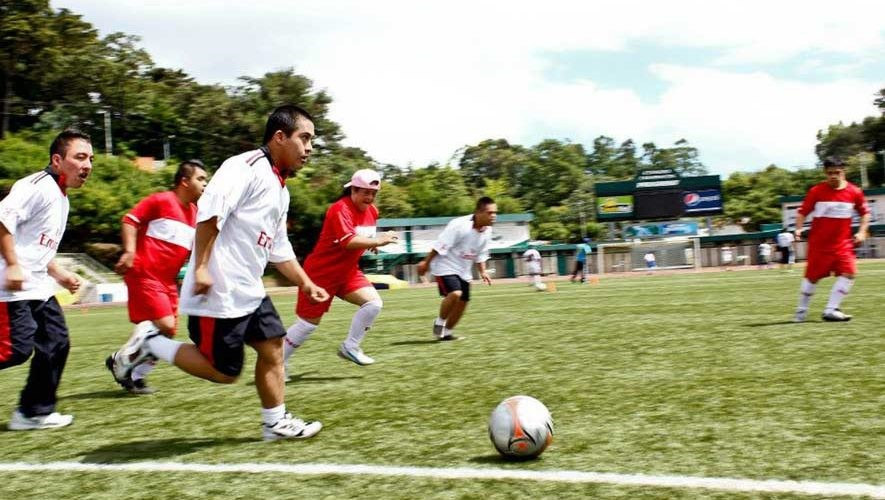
(241, 226)
(785, 241)
(32, 221)
(533, 266)
(462, 244)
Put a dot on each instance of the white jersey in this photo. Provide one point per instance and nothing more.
(250, 201)
(533, 261)
(785, 239)
(460, 246)
(35, 213)
(765, 249)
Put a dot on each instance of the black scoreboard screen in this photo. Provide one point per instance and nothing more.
(658, 203)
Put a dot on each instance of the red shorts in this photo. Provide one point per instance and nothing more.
(150, 299)
(820, 264)
(336, 287)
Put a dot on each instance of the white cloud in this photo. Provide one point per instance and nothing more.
(413, 81)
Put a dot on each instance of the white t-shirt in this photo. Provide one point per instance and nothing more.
(35, 212)
(533, 261)
(250, 201)
(785, 239)
(765, 249)
(460, 246)
(649, 257)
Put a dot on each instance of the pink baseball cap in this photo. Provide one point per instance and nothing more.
(366, 179)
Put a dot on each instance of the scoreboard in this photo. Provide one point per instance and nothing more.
(659, 194)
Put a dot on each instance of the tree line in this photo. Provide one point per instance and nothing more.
(56, 71)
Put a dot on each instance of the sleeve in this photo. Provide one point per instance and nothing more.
(447, 238)
(809, 202)
(143, 212)
(484, 252)
(22, 201)
(860, 204)
(282, 248)
(340, 223)
(224, 192)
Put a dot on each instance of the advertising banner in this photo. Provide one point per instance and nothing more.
(615, 205)
(703, 201)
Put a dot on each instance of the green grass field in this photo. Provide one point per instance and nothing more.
(699, 375)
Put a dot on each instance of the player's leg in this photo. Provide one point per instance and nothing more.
(449, 290)
(167, 326)
(51, 344)
(457, 310)
(369, 302)
(845, 269)
(264, 333)
(818, 267)
(307, 317)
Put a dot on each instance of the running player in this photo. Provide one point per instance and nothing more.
(157, 235)
(533, 266)
(33, 217)
(830, 243)
(348, 231)
(463, 243)
(241, 226)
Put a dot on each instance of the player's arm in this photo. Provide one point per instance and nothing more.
(361, 242)
(204, 239)
(424, 265)
(800, 225)
(862, 229)
(64, 277)
(14, 276)
(293, 271)
(483, 274)
(128, 235)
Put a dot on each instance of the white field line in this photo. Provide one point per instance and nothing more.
(713, 483)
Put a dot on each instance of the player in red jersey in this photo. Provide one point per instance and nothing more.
(157, 237)
(830, 243)
(348, 231)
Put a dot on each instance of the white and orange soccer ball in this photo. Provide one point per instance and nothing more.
(521, 427)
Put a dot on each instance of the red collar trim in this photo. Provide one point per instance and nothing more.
(280, 177)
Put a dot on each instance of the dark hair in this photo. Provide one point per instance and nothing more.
(61, 142)
(186, 170)
(833, 161)
(483, 202)
(284, 118)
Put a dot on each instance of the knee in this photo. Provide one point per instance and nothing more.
(373, 305)
(16, 357)
(456, 294)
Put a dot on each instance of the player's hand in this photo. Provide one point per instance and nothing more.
(422, 268)
(798, 234)
(125, 263)
(202, 281)
(486, 279)
(315, 293)
(15, 279)
(70, 281)
(387, 238)
(859, 238)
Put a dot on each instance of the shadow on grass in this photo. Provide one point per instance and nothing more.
(303, 378)
(139, 451)
(416, 342)
(500, 459)
(776, 323)
(111, 394)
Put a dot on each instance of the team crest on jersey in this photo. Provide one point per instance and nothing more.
(265, 241)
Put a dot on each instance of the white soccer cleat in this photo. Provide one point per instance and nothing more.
(54, 420)
(134, 351)
(437, 330)
(835, 315)
(290, 427)
(355, 355)
(800, 315)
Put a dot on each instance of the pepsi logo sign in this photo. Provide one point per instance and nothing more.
(692, 199)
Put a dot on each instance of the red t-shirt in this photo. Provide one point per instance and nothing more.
(343, 221)
(165, 235)
(831, 211)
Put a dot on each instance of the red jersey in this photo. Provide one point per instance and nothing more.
(343, 221)
(831, 211)
(165, 235)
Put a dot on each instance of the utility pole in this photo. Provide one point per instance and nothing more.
(108, 140)
(166, 149)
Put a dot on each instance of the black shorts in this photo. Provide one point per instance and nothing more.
(452, 282)
(221, 340)
(785, 255)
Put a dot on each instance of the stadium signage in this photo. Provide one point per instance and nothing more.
(702, 201)
(659, 194)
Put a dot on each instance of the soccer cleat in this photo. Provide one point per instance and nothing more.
(800, 316)
(356, 355)
(133, 352)
(437, 330)
(138, 387)
(19, 422)
(449, 337)
(290, 427)
(835, 315)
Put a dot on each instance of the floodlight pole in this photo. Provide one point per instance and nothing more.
(108, 139)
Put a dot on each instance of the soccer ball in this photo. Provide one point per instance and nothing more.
(521, 427)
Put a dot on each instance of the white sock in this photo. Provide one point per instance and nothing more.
(537, 279)
(439, 322)
(163, 348)
(273, 415)
(806, 291)
(295, 336)
(141, 371)
(840, 289)
(363, 319)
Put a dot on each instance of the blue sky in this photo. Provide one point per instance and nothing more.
(749, 84)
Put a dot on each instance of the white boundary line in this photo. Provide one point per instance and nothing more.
(713, 483)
